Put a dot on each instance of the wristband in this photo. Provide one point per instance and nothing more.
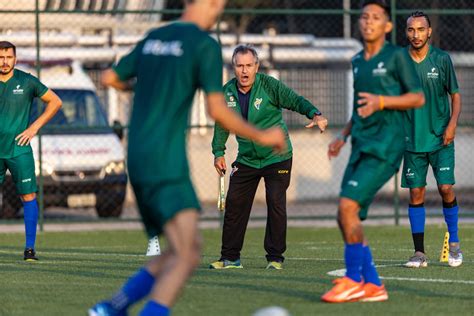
(381, 102)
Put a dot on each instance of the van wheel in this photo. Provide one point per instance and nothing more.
(109, 205)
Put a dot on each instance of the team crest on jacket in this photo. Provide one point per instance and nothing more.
(257, 103)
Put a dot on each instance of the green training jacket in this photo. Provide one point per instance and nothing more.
(268, 98)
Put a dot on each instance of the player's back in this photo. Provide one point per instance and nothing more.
(167, 65)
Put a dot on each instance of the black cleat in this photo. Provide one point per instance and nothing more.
(30, 255)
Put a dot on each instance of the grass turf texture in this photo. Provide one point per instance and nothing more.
(77, 269)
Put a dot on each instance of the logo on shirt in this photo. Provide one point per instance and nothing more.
(409, 174)
(433, 74)
(380, 70)
(257, 103)
(159, 48)
(352, 183)
(18, 90)
(356, 70)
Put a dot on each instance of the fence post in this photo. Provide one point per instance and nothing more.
(396, 197)
(40, 155)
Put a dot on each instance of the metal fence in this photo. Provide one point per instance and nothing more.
(307, 44)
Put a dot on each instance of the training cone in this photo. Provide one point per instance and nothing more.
(445, 250)
(153, 247)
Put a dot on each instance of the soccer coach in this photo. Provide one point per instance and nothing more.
(260, 100)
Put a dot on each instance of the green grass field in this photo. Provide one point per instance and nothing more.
(77, 269)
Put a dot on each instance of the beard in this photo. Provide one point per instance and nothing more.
(6, 70)
(419, 46)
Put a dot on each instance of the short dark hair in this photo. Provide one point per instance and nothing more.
(244, 49)
(6, 45)
(420, 14)
(381, 3)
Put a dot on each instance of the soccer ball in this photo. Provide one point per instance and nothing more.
(272, 311)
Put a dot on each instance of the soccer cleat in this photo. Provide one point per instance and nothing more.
(418, 260)
(274, 265)
(105, 309)
(30, 255)
(226, 264)
(455, 256)
(344, 290)
(374, 293)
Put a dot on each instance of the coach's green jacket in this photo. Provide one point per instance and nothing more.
(267, 99)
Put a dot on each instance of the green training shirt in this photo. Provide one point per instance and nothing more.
(16, 97)
(268, 98)
(426, 125)
(170, 63)
(390, 73)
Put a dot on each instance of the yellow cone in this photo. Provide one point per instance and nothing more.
(445, 250)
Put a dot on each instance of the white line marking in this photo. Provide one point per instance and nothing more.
(342, 272)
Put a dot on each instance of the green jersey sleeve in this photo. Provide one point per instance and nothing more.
(288, 99)
(450, 81)
(219, 140)
(127, 66)
(39, 89)
(210, 66)
(407, 72)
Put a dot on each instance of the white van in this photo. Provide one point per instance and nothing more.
(83, 161)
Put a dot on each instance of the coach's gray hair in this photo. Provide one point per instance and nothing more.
(244, 49)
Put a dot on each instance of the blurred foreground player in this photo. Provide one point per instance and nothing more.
(170, 63)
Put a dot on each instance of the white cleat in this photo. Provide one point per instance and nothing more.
(418, 260)
(455, 258)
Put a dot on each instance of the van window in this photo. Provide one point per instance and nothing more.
(81, 111)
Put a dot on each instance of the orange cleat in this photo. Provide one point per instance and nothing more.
(345, 290)
(374, 293)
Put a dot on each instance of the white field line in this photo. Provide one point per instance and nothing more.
(342, 272)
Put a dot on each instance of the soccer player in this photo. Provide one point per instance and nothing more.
(18, 89)
(260, 99)
(170, 63)
(385, 84)
(430, 138)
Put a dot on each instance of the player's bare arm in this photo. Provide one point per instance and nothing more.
(228, 119)
(372, 103)
(336, 145)
(220, 165)
(450, 131)
(53, 104)
(319, 121)
(109, 78)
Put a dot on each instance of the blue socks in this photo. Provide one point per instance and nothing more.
(368, 268)
(152, 308)
(31, 220)
(450, 211)
(417, 215)
(354, 257)
(136, 288)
